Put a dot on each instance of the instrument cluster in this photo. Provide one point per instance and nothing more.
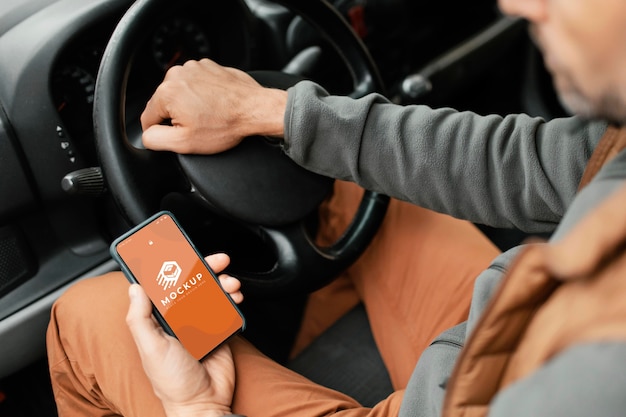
(184, 35)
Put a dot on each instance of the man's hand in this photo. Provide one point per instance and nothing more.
(185, 386)
(211, 109)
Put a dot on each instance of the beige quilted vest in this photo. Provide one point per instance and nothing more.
(533, 316)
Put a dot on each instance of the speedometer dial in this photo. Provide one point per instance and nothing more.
(179, 40)
(73, 88)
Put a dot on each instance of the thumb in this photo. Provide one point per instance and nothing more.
(159, 137)
(140, 305)
(139, 319)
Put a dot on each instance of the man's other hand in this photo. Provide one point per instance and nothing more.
(204, 108)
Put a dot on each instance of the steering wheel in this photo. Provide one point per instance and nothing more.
(254, 184)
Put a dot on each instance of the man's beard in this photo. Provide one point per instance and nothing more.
(609, 106)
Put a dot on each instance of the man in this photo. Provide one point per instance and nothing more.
(500, 171)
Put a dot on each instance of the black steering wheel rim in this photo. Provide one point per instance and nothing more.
(137, 180)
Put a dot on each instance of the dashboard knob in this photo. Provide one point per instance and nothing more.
(86, 181)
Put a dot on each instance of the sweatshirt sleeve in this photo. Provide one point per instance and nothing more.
(513, 171)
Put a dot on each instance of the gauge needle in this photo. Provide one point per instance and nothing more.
(175, 58)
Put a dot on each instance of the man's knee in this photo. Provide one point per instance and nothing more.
(93, 303)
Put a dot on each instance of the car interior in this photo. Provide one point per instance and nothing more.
(74, 78)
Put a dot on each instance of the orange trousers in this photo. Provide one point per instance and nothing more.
(415, 280)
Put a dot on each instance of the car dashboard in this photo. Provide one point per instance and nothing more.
(51, 236)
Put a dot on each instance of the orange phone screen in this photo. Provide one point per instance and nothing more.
(181, 287)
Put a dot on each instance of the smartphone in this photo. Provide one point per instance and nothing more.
(188, 300)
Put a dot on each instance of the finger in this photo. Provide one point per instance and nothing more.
(140, 308)
(155, 112)
(237, 297)
(232, 286)
(139, 319)
(581, 251)
(218, 261)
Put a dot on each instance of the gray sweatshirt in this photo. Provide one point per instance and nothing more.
(513, 171)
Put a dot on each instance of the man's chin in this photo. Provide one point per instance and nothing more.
(608, 107)
(574, 103)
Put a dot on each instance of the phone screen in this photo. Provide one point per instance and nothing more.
(184, 291)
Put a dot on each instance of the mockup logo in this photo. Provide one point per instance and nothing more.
(169, 274)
